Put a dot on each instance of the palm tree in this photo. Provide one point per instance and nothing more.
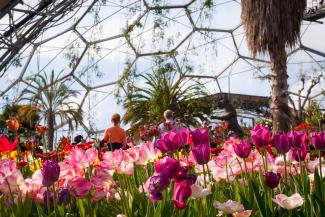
(165, 89)
(271, 26)
(54, 101)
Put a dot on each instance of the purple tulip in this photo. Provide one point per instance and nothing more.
(318, 140)
(169, 142)
(50, 172)
(242, 149)
(63, 196)
(261, 136)
(281, 143)
(297, 139)
(201, 153)
(182, 191)
(168, 167)
(200, 137)
(155, 185)
(272, 179)
(48, 198)
(299, 153)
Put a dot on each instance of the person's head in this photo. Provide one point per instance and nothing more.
(169, 114)
(116, 119)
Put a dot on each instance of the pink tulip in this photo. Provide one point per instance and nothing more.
(35, 188)
(79, 187)
(169, 142)
(7, 167)
(229, 207)
(261, 136)
(289, 203)
(200, 136)
(80, 159)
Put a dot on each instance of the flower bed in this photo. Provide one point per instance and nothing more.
(263, 175)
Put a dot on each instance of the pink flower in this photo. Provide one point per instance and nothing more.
(102, 182)
(118, 160)
(7, 167)
(79, 187)
(35, 188)
(229, 207)
(145, 153)
(169, 142)
(80, 159)
(261, 136)
(289, 203)
(245, 213)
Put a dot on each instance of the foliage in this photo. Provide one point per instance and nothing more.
(27, 115)
(165, 89)
(54, 100)
(313, 115)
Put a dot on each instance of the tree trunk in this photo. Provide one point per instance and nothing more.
(50, 130)
(279, 104)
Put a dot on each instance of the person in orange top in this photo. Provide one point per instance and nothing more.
(115, 136)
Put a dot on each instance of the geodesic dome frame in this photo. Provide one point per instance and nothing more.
(186, 27)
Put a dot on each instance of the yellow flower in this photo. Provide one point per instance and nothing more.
(35, 165)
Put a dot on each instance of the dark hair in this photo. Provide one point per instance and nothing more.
(116, 118)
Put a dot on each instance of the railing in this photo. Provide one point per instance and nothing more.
(314, 5)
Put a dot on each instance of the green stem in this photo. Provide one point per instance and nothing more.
(320, 166)
(204, 172)
(285, 169)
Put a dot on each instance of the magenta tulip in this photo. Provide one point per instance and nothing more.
(297, 139)
(183, 135)
(50, 173)
(169, 142)
(200, 137)
(318, 140)
(242, 149)
(201, 153)
(261, 136)
(182, 191)
(299, 153)
(281, 143)
(169, 167)
(272, 179)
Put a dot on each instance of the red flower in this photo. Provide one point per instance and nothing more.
(5, 144)
(86, 145)
(21, 164)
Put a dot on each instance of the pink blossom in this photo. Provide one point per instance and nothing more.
(80, 159)
(35, 188)
(79, 187)
(289, 203)
(7, 167)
